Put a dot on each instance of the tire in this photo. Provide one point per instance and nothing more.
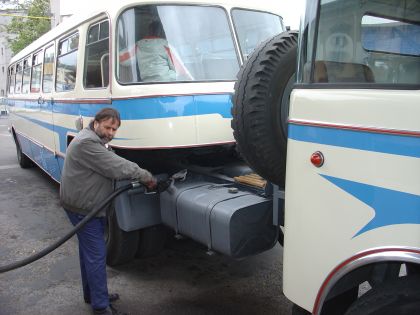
(121, 246)
(297, 310)
(151, 241)
(23, 159)
(261, 106)
(401, 297)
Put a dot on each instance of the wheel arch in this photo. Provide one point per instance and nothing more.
(13, 132)
(352, 268)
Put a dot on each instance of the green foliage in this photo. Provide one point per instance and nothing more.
(24, 31)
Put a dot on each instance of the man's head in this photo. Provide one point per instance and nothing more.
(106, 123)
(156, 29)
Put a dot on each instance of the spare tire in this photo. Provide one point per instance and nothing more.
(261, 105)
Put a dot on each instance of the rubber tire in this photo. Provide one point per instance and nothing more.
(23, 160)
(151, 241)
(401, 297)
(297, 310)
(121, 246)
(261, 106)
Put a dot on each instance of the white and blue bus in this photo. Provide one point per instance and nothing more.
(101, 59)
(352, 185)
(352, 244)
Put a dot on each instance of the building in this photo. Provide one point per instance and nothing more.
(7, 8)
(62, 9)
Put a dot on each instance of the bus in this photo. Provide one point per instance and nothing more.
(351, 128)
(352, 245)
(170, 121)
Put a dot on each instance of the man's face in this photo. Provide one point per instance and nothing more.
(106, 129)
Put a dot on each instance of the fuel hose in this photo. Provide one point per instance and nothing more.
(65, 238)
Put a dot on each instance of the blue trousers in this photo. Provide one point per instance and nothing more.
(92, 254)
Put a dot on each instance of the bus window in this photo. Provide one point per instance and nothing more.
(390, 42)
(18, 82)
(254, 27)
(26, 75)
(11, 79)
(36, 72)
(47, 82)
(97, 49)
(67, 64)
(158, 44)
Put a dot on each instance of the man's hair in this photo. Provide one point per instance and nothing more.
(105, 114)
(156, 29)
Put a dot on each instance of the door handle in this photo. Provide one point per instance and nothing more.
(40, 100)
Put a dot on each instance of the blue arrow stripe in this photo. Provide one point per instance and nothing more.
(391, 206)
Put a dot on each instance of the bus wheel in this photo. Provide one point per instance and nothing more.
(151, 241)
(121, 246)
(23, 160)
(261, 105)
(297, 310)
(401, 297)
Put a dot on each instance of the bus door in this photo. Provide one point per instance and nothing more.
(353, 159)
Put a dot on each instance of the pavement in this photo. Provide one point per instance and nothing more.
(182, 279)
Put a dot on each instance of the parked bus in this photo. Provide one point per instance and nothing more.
(352, 244)
(169, 68)
(352, 189)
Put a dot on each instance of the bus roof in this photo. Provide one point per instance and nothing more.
(112, 8)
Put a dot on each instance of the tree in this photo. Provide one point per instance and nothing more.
(25, 30)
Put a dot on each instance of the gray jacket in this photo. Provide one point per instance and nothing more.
(89, 170)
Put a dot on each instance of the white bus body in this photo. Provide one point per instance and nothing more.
(208, 42)
(175, 105)
(356, 107)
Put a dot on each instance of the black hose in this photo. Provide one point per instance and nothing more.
(66, 237)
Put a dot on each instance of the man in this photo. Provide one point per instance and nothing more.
(156, 60)
(90, 168)
(154, 56)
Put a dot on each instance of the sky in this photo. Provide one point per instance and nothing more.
(292, 10)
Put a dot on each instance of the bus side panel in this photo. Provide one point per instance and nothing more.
(366, 194)
(25, 145)
(33, 125)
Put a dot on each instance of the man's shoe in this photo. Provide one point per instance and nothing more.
(109, 311)
(112, 298)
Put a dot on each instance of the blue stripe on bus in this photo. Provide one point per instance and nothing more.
(62, 131)
(390, 206)
(143, 108)
(361, 140)
(131, 109)
(46, 159)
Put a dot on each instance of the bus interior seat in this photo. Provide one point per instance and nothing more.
(340, 72)
(410, 72)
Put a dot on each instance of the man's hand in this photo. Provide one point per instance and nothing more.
(151, 184)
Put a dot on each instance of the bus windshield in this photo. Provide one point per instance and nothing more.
(357, 41)
(165, 43)
(254, 27)
(175, 43)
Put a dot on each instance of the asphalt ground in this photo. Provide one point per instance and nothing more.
(182, 279)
